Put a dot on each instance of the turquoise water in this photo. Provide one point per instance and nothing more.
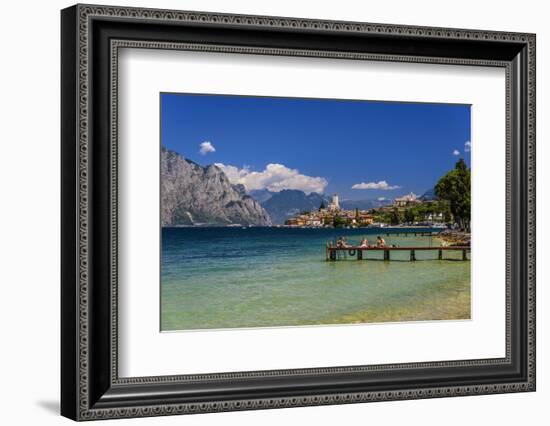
(266, 277)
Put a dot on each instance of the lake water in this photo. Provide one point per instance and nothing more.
(269, 277)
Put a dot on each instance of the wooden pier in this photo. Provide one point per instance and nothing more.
(355, 251)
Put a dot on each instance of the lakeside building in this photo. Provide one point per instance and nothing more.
(435, 217)
(407, 200)
(305, 220)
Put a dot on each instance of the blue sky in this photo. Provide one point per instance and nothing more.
(358, 149)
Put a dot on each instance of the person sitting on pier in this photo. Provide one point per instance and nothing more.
(380, 242)
(364, 242)
(341, 242)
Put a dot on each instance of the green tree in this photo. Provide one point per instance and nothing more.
(322, 206)
(409, 215)
(455, 188)
(396, 217)
(338, 222)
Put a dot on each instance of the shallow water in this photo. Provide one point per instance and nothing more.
(268, 277)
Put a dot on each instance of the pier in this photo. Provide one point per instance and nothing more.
(357, 252)
(411, 231)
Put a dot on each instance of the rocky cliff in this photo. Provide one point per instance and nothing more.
(192, 194)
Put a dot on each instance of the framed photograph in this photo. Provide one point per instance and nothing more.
(263, 212)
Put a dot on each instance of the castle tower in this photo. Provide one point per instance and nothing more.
(335, 201)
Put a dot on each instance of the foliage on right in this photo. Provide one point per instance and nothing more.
(455, 188)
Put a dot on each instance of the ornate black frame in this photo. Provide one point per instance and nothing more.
(91, 37)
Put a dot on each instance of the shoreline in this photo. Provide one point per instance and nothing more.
(450, 238)
(449, 308)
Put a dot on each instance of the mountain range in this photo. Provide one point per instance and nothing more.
(289, 202)
(364, 204)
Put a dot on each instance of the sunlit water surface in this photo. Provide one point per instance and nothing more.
(269, 277)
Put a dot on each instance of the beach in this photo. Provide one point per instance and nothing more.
(216, 278)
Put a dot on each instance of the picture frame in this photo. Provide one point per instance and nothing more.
(90, 384)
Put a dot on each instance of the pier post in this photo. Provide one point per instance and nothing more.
(359, 254)
(412, 255)
(464, 257)
(440, 255)
(386, 255)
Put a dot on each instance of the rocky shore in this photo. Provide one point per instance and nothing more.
(455, 238)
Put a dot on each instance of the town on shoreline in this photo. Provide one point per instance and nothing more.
(408, 210)
(449, 208)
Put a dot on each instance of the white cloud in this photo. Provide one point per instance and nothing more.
(206, 148)
(467, 146)
(375, 185)
(274, 178)
(456, 152)
(234, 174)
(381, 198)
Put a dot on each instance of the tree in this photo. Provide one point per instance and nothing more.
(322, 206)
(396, 217)
(338, 222)
(409, 215)
(455, 188)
